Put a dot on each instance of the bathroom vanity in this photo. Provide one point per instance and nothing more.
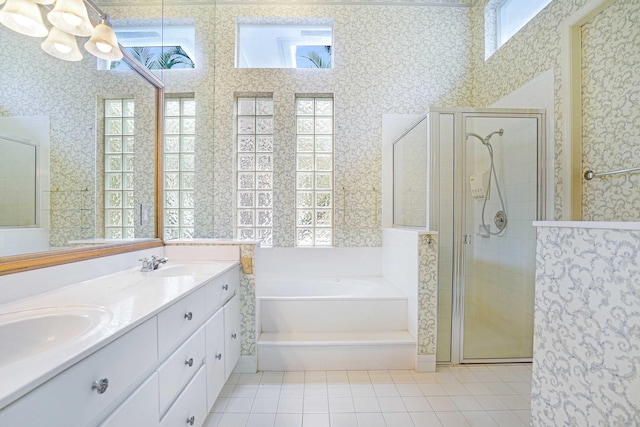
(130, 348)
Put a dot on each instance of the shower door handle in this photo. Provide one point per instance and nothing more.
(467, 239)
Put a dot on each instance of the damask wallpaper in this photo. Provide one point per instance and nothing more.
(587, 328)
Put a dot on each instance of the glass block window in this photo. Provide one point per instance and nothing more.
(118, 168)
(254, 205)
(179, 168)
(314, 171)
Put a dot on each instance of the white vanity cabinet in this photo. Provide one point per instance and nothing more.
(167, 371)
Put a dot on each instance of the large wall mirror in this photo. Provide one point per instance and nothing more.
(84, 182)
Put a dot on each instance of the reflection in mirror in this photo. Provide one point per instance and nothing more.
(18, 182)
(95, 178)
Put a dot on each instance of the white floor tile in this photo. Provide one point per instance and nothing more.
(391, 404)
(432, 390)
(233, 379)
(479, 419)
(315, 405)
(516, 402)
(268, 390)
(226, 391)
(452, 419)
(250, 378)
(521, 387)
(424, 378)
(478, 389)
(245, 390)
(343, 420)
(220, 404)
(293, 377)
(290, 405)
(386, 390)
(339, 390)
(455, 389)
(402, 377)
(292, 390)
(366, 404)
(239, 405)
(500, 388)
(506, 419)
(233, 420)
(337, 377)
(416, 404)
(491, 403)
(316, 390)
(466, 403)
(446, 378)
(380, 377)
(425, 419)
(487, 377)
(371, 419)
(362, 390)
(288, 420)
(400, 419)
(409, 390)
(261, 420)
(524, 415)
(318, 377)
(442, 403)
(357, 377)
(341, 404)
(315, 420)
(272, 378)
(265, 405)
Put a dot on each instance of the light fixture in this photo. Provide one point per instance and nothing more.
(62, 45)
(24, 17)
(104, 44)
(71, 17)
(40, 1)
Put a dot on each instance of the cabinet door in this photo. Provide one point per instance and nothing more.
(216, 356)
(179, 321)
(232, 338)
(190, 408)
(140, 409)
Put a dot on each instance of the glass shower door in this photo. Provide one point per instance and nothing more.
(500, 203)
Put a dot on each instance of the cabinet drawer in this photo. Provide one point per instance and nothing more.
(179, 321)
(221, 289)
(140, 409)
(215, 357)
(189, 408)
(71, 398)
(180, 367)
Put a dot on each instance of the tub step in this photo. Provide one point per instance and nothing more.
(336, 351)
(290, 315)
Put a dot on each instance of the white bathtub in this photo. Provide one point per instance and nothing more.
(326, 288)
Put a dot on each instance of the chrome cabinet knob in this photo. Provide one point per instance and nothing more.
(189, 362)
(191, 420)
(100, 386)
(188, 316)
(225, 287)
(233, 335)
(219, 356)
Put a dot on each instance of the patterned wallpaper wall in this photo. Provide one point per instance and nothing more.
(70, 94)
(611, 117)
(537, 48)
(388, 59)
(586, 347)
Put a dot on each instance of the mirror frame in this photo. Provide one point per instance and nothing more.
(20, 263)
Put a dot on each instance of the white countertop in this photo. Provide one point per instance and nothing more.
(130, 296)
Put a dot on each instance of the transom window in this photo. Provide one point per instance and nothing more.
(284, 45)
(314, 171)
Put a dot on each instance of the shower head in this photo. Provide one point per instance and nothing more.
(486, 139)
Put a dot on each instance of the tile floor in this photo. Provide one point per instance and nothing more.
(477, 395)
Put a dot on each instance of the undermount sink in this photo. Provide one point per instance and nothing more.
(176, 270)
(28, 333)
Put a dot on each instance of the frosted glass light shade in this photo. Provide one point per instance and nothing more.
(24, 17)
(62, 45)
(71, 17)
(40, 1)
(104, 43)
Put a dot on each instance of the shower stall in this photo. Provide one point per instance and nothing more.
(477, 177)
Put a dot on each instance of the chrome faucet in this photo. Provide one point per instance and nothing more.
(153, 263)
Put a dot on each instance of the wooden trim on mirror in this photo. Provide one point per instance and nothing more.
(20, 263)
